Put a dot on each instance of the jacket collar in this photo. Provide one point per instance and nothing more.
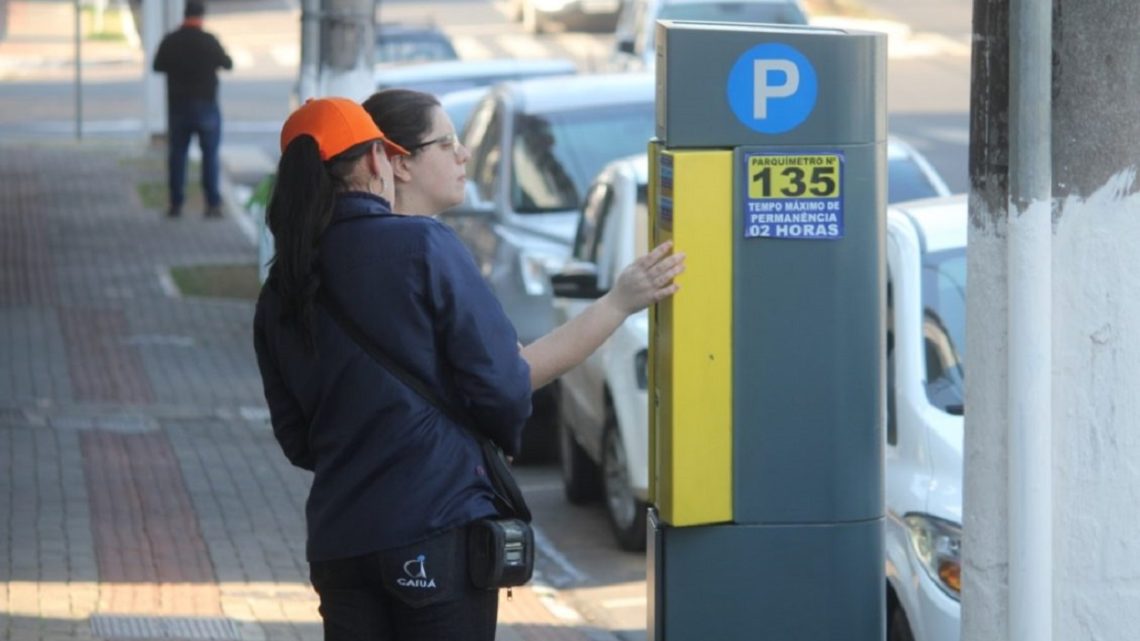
(358, 204)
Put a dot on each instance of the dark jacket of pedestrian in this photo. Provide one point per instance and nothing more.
(389, 468)
(191, 57)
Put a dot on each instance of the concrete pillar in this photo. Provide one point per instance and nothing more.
(1095, 314)
(346, 41)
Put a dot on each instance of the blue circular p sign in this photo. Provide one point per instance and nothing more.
(772, 88)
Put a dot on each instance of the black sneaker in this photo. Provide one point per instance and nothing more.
(174, 212)
(214, 211)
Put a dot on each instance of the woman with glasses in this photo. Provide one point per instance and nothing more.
(396, 482)
(433, 177)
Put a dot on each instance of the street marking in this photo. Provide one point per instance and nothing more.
(585, 46)
(546, 547)
(625, 602)
(470, 48)
(166, 282)
(242, 58)
(548, 597)
(521, 46)
(286, 55)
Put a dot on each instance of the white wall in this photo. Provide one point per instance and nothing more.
(1096, 420)
(1096, 414)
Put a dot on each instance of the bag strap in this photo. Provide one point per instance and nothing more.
(418, 386)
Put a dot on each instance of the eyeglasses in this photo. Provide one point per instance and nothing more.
(449, 142)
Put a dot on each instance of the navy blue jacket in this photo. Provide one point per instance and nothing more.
(389, 468)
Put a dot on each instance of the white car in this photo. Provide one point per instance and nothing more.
(602, 410)
(926, 326)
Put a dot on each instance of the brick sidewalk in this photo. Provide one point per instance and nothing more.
(142, 495)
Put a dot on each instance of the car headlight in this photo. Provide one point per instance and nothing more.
(536, 270)
(938, 545)
(641, 369)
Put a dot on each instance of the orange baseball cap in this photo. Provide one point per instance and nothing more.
(337, 124)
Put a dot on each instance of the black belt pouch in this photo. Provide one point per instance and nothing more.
(500, 553)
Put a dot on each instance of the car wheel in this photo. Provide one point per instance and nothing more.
(579, 473)
(626, 513)
(898, 628)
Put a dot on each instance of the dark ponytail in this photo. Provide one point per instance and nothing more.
(298, 213)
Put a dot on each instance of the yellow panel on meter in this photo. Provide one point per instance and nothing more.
(691, 340)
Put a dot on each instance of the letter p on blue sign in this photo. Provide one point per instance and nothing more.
(772, 88)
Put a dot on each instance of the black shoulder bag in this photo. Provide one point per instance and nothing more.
(500, 551)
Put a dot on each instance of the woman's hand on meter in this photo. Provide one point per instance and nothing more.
(648, 279)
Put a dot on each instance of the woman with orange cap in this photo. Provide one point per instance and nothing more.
(396, 481)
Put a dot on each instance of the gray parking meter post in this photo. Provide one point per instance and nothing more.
(768, 510)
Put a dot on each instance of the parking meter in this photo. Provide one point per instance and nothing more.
(766, 368)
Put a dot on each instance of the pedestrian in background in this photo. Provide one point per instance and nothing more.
(190, 57)
(397, 481)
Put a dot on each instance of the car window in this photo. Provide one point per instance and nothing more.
(604, 244)
(586, 241)
(485, 141)
(422, 47)
(906, 181)
(611, 260)
(554, 156)
(944, 327)
(459, 111)
(641, 223)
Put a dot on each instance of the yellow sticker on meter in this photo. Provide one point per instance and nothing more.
(792, 195)
(794, 176)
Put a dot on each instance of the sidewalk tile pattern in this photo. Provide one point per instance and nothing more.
(138, 476)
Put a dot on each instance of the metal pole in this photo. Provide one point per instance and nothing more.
(153, 100)
(1030, 327)
(310, 50)
(78, 71)
(346, 48)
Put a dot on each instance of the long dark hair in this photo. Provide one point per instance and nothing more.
(298, 213)
(402, 114)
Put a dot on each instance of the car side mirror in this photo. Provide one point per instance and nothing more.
(625, 46)
(579, 280)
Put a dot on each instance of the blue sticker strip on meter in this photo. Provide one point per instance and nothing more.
(793, 195)
(665, 191)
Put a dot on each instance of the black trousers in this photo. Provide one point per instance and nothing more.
(419, 592)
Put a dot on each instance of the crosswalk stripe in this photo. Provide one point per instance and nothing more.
(521, 46)
(589, 50)
(242, 58)
(286, 55)
(471, 48)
